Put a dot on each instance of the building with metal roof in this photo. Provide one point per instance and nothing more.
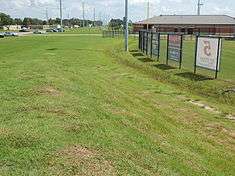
(189, 24)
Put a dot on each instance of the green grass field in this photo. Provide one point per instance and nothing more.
(79, 105)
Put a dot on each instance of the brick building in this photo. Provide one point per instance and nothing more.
(189, 24)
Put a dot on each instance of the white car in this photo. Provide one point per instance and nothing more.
(10, 34)
(39, 32)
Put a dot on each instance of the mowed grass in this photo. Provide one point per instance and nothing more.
(202, 83)
(69, 107)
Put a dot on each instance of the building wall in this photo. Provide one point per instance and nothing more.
(12, 27)
(190, 29)
(137, 28)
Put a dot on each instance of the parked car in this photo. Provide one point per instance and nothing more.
(55, 30)
(2, 35)
(39, 32)
(24, 30)
(49, 30)
(60, 30)
(10, 34)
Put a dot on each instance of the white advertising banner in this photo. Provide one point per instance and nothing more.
(208, 51)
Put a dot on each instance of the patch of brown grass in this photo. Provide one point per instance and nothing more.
(49, 90)
(72, 128)
(59, 112)
(119, 111)
(4, 131)
(220, 134)
(76, 152)
(78, 160)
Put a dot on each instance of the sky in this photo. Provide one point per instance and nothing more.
(107, 9)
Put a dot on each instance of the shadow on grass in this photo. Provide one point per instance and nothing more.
(193, 77)
(164, 67)
(52, 49)
(90, 49)
(137, 54)
(146, 59)
(133, 51)
(140, 56)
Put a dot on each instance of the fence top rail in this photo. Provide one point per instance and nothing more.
(209, 36)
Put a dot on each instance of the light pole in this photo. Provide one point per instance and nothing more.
(47, 18)
(83, 14)
(94, 18)
(126, 25)
(199, 4)
(61, 16)
(148, 14)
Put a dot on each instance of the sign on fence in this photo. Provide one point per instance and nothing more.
(155, 49)
(149, 50)
(145, 47)
(174, 48)
(140, 40)
(208, 53)
(149, 43)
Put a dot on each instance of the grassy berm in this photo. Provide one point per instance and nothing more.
(81, 106)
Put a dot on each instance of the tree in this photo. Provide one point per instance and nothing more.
(5, 19)
(17, 21)
(116, 24)
(27, 21)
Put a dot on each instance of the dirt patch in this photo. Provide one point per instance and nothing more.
(76, 152)
(230, 117)
(204, 106)
(82, 160)
(49, 90)
(211, 109)
(221, 135)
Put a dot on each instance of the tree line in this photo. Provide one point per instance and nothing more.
(118, 24)
(7, 20)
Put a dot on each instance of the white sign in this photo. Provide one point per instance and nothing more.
(208, 51)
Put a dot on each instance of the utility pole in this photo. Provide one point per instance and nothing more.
(100, 18)
(83, 13)
(61, 15)
(148, 4)
(199, 4)
(94, 17)
(47, 18)
(126, 25)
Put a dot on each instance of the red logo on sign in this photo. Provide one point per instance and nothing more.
(207, 48)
